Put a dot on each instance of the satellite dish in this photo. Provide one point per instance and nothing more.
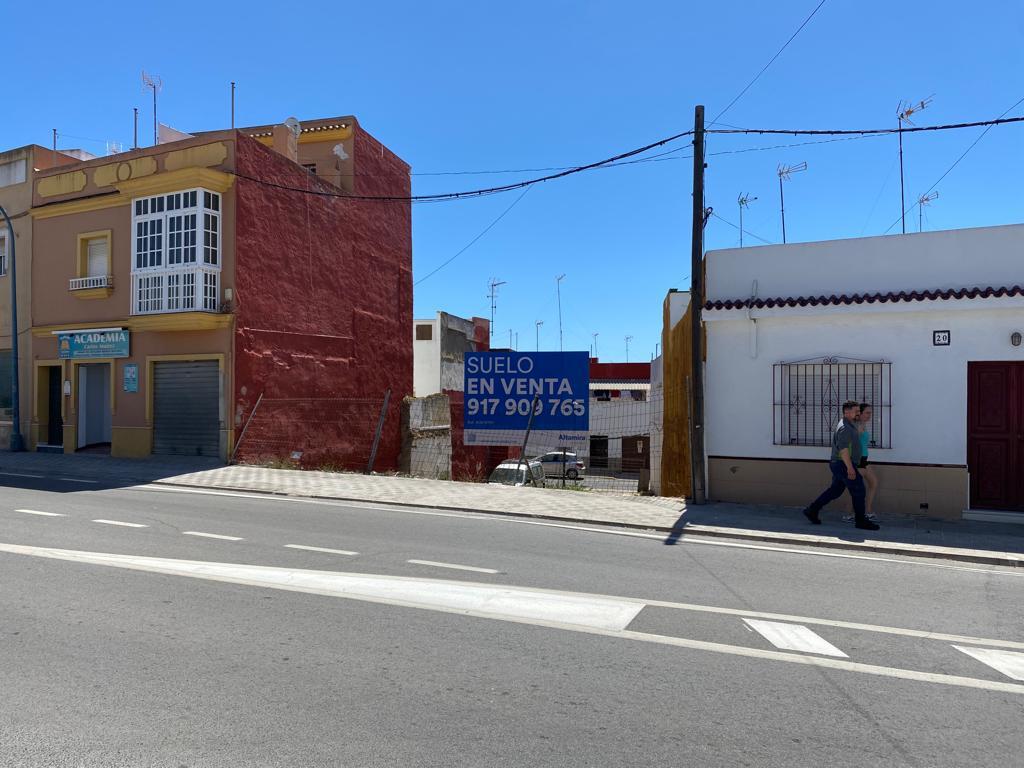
(294, 126)
(339, 152)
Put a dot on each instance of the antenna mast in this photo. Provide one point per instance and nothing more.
(922, 201)
(493, 293)
(155, 83)
(903, 113)
(785, 173)
(744, 201)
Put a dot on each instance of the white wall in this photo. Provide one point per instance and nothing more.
(929, 384)
(963, 258)
(426, 360)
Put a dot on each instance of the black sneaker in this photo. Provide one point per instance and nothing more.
(812, 516)
(866, 525)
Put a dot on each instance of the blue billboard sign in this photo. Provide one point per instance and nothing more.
(93, 344)
(502, 389)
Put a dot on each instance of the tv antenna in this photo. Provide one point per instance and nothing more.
(493, 293)
(922, 201)
(155, 83)
(903, 112)
(628, 339)
(785, 173)
(595, 335)
(744, 201)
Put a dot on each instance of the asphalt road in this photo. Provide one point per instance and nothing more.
(322, 658)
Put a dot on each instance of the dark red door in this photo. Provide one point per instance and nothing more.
(995, 435)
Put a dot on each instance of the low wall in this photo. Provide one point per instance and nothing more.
(904, 489)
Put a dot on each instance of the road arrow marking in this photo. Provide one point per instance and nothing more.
(794, 637)
(1007, 662)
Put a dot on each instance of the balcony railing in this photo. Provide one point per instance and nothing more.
(83, 283)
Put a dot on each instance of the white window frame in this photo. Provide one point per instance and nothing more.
(188, 229)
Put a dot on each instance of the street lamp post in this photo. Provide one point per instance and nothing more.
(17, 442)
(558, 288)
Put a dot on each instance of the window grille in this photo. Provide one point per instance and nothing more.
(167, 273)
(808, 397)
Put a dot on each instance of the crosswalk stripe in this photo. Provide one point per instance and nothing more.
(1009, 663)
(793, 637)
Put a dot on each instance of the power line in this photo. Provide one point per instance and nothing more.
(949, 170)
(770, 62)
(869, 131)
(473, 192)
(470, 244)
(734, 226)
(623, 159)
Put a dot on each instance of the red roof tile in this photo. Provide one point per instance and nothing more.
(868, 298)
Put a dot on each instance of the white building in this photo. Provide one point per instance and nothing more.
(438, 349)
(620, 416)
(927, 327)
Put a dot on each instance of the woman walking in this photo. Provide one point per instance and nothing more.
(870, 479)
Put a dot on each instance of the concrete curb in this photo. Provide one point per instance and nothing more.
(975, 556)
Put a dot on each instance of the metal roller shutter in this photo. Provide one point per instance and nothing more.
(186, 412)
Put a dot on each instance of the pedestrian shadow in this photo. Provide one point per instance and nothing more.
(677, 531)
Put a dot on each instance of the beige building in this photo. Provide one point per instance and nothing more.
(18, 168)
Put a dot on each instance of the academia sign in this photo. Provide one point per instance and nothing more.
(93, 344)
(503, 388)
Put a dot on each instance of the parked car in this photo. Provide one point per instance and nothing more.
(517, 473)
(555, 462)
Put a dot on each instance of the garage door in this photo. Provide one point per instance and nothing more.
(186, 412)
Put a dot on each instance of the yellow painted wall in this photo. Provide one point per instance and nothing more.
(676, 475)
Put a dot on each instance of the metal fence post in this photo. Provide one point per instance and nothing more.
(526, 438)
(241, 436)
(376, 435)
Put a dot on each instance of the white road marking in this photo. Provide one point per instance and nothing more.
(794, 637)
(120, 522)
(322, 549)
(605, 530)
(1009, 663)
(77, 480)
(212, 535)
(21, 474)
(544, 608)
(453, 566)
(38, 512)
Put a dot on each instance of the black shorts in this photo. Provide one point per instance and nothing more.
(863, 462)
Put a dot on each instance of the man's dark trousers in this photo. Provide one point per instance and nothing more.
(840, 483)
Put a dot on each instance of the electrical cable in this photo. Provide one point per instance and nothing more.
(470, 244)
(770, 62)
(623, 159)
(474, 192)
(949, 170)
(734, 226)
(869, 131)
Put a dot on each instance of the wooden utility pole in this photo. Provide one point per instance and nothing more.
(698, 495)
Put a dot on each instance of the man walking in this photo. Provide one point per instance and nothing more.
(846, 455)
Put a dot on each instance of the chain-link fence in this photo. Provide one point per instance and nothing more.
(321, 433)
(637, 443)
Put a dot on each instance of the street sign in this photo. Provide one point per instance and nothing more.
(93, 344)
(131, 377)
(502, 388)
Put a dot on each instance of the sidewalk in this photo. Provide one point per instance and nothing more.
(965, 541)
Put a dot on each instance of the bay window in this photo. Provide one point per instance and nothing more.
(168, 263)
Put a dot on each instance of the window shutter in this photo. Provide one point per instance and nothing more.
(98, 250)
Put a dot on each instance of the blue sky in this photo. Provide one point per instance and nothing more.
(476, 86)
